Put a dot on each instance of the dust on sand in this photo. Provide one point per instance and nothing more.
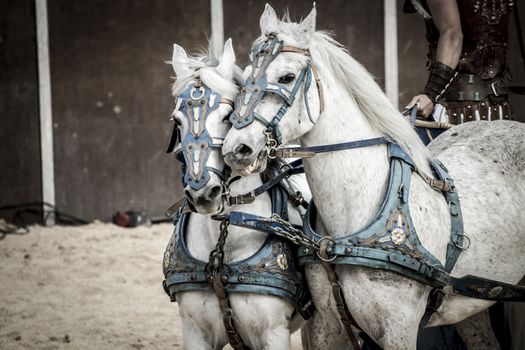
(88, 287)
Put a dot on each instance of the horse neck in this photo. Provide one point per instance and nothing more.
(347, 186)
(203, 232)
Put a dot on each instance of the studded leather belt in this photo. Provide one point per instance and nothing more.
(470, 87)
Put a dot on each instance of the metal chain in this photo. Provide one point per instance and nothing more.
(216, 259)
(292, 234)
(216, 264)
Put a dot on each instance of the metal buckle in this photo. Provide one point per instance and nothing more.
(463, 246)
(241, 199)
(290, 153)
(319, 243)
(271, 144)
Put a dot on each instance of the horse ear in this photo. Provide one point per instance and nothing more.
(308, 24)
(179, 61)
(228, 59)
(268, 21)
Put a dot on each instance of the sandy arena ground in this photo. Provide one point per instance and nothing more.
(89, 287)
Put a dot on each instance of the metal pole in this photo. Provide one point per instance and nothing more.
(217, 25)
(46, 117)
(391, 65)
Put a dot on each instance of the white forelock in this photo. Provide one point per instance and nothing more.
(207, 63)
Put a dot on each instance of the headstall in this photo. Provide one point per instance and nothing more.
(196, 103)
(257, 86)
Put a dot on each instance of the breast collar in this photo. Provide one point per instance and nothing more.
(196, 103)
(256, 86)
(390, 241)
(272, 270)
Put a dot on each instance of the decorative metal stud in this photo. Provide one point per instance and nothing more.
(397, 236)
(282, 261)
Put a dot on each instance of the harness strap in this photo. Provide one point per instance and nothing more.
(287, 48)
(293, 168)
(216, 263)
(227, 101)
(309, 152)
(346, 317)
(438, 185)
(306, 52)
(234, 338)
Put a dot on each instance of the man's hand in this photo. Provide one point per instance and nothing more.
(425, 106)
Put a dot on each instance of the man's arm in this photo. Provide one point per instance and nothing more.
(445, 15)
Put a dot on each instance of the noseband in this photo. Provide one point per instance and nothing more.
(196, 103)
(256, 86)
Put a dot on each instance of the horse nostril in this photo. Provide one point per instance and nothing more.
(242, 150)
(214, 192)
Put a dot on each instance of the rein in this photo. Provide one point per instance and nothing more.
(293, 168)
(309, 152)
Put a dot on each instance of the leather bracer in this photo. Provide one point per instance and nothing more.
(439, 80)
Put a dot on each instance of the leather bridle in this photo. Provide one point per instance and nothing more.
(196, 103)
(257, 86)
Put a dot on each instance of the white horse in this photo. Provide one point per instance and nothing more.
(263, 321)
(486, 160)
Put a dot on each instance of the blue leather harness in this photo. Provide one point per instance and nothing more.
(390, 241)
(196, 103)
(272, 270)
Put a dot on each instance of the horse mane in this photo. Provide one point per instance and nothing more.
(206, 61)
(372, 101)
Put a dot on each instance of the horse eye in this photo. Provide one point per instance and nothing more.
(286, 79)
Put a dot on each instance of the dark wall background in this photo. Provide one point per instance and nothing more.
(412, 53)
(516, 62)
(19, 123)
(111, 89)
(356, 25)
(111, 101)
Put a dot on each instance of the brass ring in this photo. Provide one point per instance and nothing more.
(319, 243)
(463, 246)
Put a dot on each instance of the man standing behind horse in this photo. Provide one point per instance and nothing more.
(467, 81)
(468, 42)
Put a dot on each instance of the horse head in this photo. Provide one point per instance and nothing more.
(204, 92)
(281, 98)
